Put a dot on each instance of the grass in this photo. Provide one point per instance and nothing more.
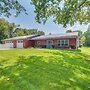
(45, 69)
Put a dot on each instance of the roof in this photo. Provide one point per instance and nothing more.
(52, 36)
(21, 37)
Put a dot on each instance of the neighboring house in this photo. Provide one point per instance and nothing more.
(67, 41)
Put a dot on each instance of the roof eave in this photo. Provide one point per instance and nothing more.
(55, 37)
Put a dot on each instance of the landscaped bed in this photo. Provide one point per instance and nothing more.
(45, 69)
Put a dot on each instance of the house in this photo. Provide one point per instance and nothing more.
(66, 41)
(19, 42)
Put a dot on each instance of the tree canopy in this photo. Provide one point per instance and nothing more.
(86, 37)
(63, 11)
(79, 32)
(7, 5)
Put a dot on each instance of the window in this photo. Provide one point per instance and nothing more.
(66, 43)
(38, 42)
(10, 41)
(63, 42)
(7, 41)
(50, 42)
(20, 41)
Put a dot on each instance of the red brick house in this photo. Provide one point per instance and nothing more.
(19, 42)
(67, 40)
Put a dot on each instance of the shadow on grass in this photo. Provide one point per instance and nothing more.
(61, 71)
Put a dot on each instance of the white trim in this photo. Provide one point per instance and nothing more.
(77, 43)
(49, 40)
(20, 43)
(38, 42)
(9, 44)
(61, 41)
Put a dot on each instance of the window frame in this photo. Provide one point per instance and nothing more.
(38, 42)
(51, 42)
(20, 41)
(59, 43)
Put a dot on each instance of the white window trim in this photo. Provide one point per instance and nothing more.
(64, 42)
(49, 40)
(19, 41)
(38, 42)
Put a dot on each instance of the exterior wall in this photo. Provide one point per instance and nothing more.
(40, 42)
(26, 43)
(72, 41)
(29, 43)
(32, 43)
(14, 43)
(43, 43)
(3, 42)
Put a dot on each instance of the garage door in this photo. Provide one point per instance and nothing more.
(9, 44)
(20, 44)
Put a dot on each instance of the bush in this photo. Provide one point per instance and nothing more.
(72, 46)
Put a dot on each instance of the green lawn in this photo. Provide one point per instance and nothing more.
(45, 69)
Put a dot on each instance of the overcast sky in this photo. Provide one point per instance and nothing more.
(28, 21)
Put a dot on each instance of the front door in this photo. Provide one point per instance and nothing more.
(50, 44)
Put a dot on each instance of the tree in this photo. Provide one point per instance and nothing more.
(87, 37)
(64, 11)
(68, 31)
(7, 5)
(23, 32)
(3, 29)
(9, 30)
(40, 33)
(79, 32)
(18, 32)
(83, 40)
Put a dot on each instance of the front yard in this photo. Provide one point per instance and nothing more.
(45, 69)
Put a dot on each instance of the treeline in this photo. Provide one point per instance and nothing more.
(9, 30)
(22, 32)
(84, 36)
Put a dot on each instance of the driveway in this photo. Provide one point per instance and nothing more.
(5, 48)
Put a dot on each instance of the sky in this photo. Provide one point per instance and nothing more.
(28, 21)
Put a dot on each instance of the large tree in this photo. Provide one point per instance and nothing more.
(23, 32)
(86, 37)
(63, 11)
(79, 32)
(7, 5)
(3, 29)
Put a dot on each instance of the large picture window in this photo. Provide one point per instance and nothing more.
(63, 43)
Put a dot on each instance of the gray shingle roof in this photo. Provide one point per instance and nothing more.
(65, 35)
(21, 37)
